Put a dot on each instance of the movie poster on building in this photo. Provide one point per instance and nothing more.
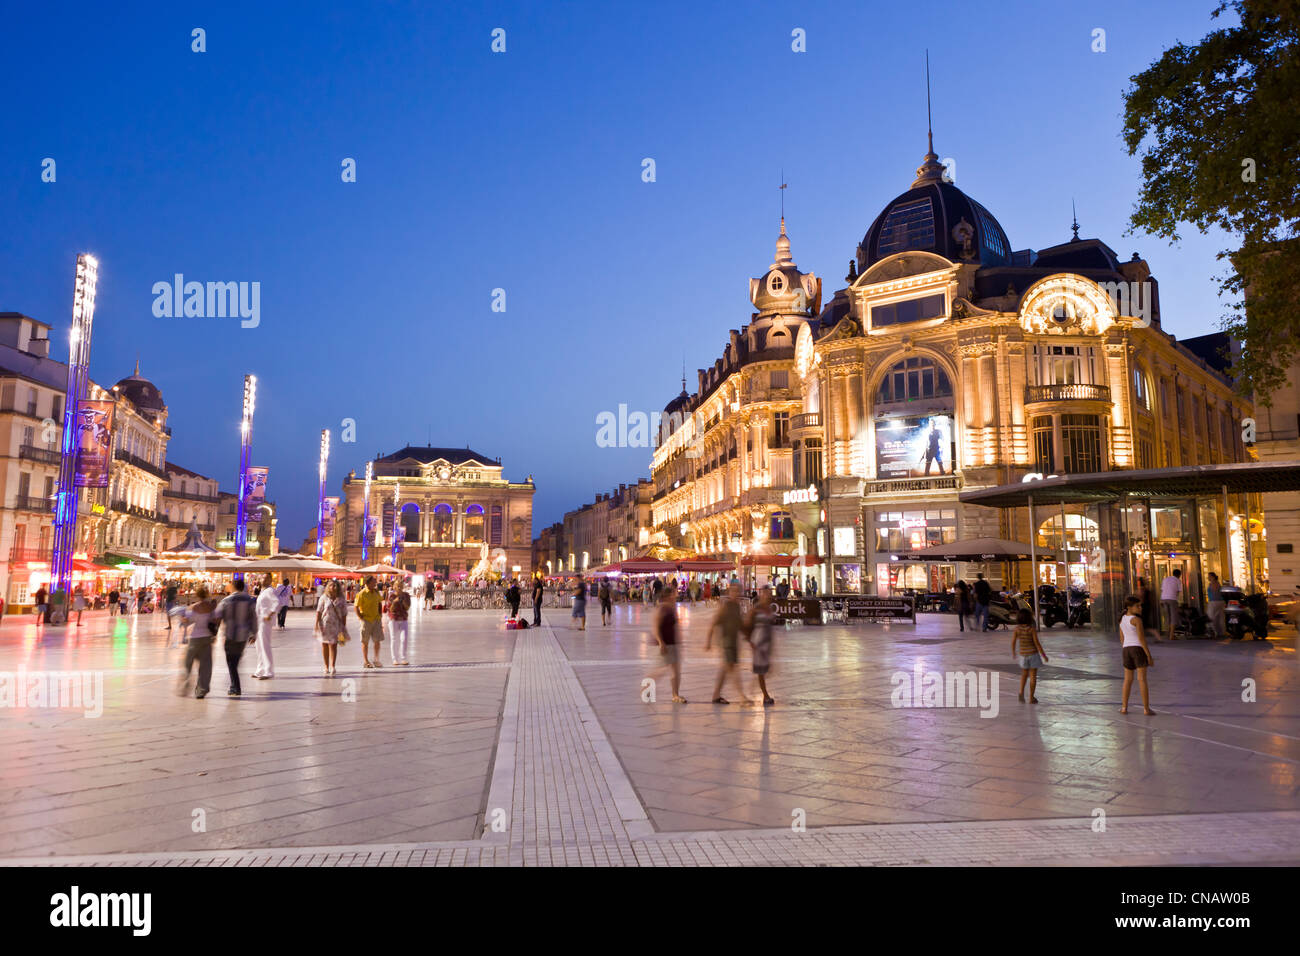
(330, 516)
(914, 447)
(255, 493)
(368, 532)
(95, 443)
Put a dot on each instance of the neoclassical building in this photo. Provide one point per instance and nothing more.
(949, 361)
(449, 503)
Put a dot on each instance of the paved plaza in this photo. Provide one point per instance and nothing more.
(539, 747)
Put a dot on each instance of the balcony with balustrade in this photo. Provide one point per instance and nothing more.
(1073, 392)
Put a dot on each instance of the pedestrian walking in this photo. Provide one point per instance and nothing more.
(513, 598)
(203, 631)
(726, 624)
(1137, 655)
(369, 610)
(238, 615)
(1027, 649)
(268, 605)
(114, 603)
(580, 603)
(1217, 606)
(1171, 592)
(169, 602)
(284, 597)
(758, 627)
(79, 602)
(665, 632)
(41, 597)
(982, 594)
(331, 624)
(399, 612)
(606, 603)
(963, 604)
(539, 592)
(1150, 611)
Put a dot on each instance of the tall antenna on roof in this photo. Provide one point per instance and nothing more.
(1075, 225)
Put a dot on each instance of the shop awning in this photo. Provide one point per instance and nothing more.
(973, 549)
(1190, 482)
(778, 560)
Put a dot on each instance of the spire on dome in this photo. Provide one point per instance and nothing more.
(137, 364)
(1075, 225)
(930, 170)
(783, 248)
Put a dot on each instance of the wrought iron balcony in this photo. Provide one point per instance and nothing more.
(32, 453)
(1066, 393)
(148, 466)
(28, 503)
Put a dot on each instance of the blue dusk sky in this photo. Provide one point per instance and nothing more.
(522, 171)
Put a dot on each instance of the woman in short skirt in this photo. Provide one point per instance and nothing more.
(580, 603)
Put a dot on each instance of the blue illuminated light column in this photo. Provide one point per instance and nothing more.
(320, 504)
(245, 445)
(397, 514)
(65, 502)
(365, 516)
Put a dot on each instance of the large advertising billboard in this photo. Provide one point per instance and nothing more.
(95, 443)
(914, 447)
(255, 492)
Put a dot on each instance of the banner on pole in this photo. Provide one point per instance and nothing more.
(95, 444)
(330, 516)
(255, 494)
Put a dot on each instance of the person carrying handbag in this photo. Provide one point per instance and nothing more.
(331, 625)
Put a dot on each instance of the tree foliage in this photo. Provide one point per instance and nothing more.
(1218, 129)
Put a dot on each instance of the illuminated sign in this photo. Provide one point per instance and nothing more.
(799, 496)
(914, 447)
(845, 541)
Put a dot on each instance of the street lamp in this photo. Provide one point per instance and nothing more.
(320, 502)
(65, 505)
(245, 446)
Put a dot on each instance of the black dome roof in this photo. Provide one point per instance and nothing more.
(925, 217)
(141, 392)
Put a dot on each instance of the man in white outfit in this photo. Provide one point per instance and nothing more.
(268, 606)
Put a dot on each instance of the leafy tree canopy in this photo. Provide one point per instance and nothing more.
(1218, 129)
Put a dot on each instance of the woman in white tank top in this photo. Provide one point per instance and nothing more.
(1137, 656)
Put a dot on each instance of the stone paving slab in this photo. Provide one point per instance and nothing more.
(549, 727)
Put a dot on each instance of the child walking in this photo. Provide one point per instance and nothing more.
(1028, 649)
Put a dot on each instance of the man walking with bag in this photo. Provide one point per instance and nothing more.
(399, 612)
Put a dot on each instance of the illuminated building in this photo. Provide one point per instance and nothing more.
(452, 502)
(949, 362)
(613, 527)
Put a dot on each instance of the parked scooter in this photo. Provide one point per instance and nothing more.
(1003, 609)
(1237, 615)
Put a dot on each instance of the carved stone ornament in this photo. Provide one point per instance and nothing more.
(960, 308)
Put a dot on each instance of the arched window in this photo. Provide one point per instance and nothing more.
(442, 524)
(474, 524)
(411, 522)
(913, 379)
(1141, 389)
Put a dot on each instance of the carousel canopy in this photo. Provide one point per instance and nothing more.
(193, 543)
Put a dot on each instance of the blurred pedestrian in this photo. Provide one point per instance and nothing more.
(759, 629)
(268, 605)
(726, 624)
(580, 603)
(203, 630)
(238, 615)
(606, 603)
(665, 632)
(539, 593)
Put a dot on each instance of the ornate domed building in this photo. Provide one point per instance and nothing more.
(840, 439)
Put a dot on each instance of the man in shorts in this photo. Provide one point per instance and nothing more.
(727, 625)
(369, 609)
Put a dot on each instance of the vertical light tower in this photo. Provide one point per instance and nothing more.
(65, 502)
(365, 515)
(397, 514)
(320, 505)
(245, 444)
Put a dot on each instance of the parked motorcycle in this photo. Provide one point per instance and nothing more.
(1080, 608)
(1003, 609)
(1052, 601)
